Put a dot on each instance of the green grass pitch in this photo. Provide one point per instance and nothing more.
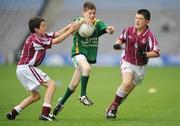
(140, 109)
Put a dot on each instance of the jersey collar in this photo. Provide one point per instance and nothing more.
(143, 33)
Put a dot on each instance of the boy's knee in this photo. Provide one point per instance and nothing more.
(86, 70)
(36, 97)
(73, 86)
(126, 85)
(51, 83)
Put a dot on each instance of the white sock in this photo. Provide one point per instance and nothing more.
(47, 105)
(18, 108)
(121, 93)
(71, 87)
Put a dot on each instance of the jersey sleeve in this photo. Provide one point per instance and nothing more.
(124, 35)
(42, 43)
(153, 44)
(101, 27)
(50, 35)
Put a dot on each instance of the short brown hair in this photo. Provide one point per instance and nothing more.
(35, 22)
(89, 5)
(145, 13)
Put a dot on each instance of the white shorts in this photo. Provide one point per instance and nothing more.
(77, 58)
(31, 77)
(138, 71)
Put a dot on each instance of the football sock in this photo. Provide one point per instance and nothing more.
(66, 95)
(119, 98)
(14, 113)
(122, 94)
(46, 110)
(84, 81)
(116, 102)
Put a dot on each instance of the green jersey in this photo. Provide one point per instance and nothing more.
(89, 46)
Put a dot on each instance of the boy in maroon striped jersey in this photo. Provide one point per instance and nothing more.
(33, 53)
(140, 45)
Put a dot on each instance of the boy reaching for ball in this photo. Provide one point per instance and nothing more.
(27, 71)
(84, 53)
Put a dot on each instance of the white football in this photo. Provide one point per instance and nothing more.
(86, 30)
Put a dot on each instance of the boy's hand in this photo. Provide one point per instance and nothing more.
(117, 46)
(110, 29)
(141, 52)
(75, 25)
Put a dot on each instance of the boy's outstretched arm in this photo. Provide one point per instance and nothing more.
(63, 30)
(73, 27)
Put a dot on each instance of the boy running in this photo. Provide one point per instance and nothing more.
(84, 53)
(140, 45)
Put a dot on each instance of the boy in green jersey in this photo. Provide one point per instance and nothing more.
(84, 53)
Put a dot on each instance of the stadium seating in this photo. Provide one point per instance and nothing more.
(14, 16)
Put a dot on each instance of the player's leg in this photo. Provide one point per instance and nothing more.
(71, 88)
(34, 96)
(85, 68)
(29, 81)
(122, 92)
(34, 78)
(124, 89)
(46, 108)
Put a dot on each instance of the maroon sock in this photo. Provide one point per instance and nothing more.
(118, 99)
(46, 111)
(116, 102)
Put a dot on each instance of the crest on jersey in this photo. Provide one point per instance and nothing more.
(136, 45)
(143, 41)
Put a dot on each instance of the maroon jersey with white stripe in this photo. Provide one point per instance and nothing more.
(34, 49)
(146, 40)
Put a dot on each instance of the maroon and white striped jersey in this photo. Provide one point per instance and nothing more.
(146, 40)
(34, 49)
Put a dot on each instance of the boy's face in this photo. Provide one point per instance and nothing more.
(140, 21)
(90, 14)
(42, 28)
